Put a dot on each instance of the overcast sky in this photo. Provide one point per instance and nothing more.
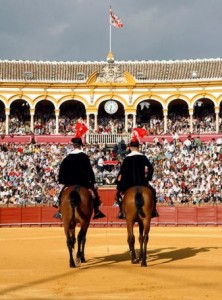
(78, 30)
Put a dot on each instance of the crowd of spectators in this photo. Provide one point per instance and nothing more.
(186, 172)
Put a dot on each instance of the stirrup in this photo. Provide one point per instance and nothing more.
(58, 215)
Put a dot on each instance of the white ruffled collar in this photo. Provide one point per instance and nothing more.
(134, 153)
(76, 151)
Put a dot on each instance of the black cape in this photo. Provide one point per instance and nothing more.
(76, 169)
(133, 172)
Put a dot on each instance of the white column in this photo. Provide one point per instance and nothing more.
(191, 119)
(57, 121)
(96, 122)
(87, 124)
(165, 113)
(217, 121)
(32, 113)
(7, 112)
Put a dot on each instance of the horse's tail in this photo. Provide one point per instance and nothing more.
(75, 201)
(139, 201)
(75, 198)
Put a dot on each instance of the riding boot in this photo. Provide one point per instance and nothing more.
(96, 203)
(119, 201)
(58, 214)
(154, 212)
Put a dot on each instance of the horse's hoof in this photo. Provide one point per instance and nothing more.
(81, 259)
(143, 264)
(78, 262)
(72, 263)
(135, 261)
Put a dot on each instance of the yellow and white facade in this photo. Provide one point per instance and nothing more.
(129, 83)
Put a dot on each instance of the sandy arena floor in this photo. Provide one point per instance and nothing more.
(183, 263)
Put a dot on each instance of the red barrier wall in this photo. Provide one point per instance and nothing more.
(107, 195)
(169, 216)
(65, 139)
(24, 139)
(204, 137)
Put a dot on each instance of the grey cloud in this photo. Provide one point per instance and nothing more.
(78, 30)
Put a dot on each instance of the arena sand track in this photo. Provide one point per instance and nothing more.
(183, 263)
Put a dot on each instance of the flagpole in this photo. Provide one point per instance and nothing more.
(110, 30)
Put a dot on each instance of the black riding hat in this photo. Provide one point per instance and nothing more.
(134, 142)
(77, 141)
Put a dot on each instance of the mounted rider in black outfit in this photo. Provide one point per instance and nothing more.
(76, 169)
(136, 170)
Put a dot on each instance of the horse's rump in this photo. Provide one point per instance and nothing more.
(76, 201)
(138, 201)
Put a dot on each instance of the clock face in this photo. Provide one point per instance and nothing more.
(111, 107)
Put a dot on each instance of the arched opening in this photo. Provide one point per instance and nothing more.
(111, 117)
(178, 117)
(149, 115)
(19, 117)
(204, 116)
(70, 112)
(2, 117)
(220, 117)
(44, 119)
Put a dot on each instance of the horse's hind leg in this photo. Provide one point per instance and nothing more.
(131, 243)
(145, 243)
(71, 240)
(141, 240)
(81, 243)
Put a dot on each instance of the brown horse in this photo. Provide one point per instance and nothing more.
(138, 204)
(76, 207)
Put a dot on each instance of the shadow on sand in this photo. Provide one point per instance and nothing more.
(158, 255)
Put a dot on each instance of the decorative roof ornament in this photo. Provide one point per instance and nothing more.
(110, 58)
(111, 72)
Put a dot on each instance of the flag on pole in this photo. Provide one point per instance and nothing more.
(140, 132)
(114, 20)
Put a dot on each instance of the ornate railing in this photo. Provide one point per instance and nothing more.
(95, 138)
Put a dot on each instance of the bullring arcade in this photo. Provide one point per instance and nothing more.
(137, 87)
